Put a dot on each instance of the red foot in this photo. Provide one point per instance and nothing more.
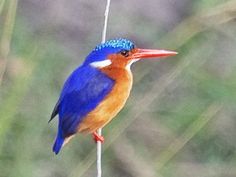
(97, 137)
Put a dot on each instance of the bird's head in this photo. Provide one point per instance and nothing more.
(121, 53)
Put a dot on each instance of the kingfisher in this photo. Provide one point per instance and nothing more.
(96, 91)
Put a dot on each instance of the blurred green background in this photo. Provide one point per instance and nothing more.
(180, 118)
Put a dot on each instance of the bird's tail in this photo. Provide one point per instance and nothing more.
(58, 143)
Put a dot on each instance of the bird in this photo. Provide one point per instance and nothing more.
(96, 91)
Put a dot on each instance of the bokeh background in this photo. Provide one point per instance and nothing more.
(180, 118)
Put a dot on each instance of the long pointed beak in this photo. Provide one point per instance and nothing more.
(151, 53)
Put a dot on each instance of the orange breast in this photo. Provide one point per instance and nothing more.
(112, 103)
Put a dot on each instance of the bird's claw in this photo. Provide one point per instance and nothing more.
(97, 137)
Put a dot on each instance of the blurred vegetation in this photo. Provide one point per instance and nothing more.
(180, 118)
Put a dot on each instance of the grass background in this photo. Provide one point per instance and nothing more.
(180, 118)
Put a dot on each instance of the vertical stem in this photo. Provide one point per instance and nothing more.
(7, 35)
(99, 144)
(1, 5)
(104, 32)
(99, 155)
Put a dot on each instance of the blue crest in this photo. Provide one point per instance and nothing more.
(116, 44)
(101, 51)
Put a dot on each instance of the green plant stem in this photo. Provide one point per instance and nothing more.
(7, 35)
(188, 134)
(2, 2)
(16, 93)
(202, 21)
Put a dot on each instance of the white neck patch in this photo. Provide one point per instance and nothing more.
(130, 63)
(101, 64)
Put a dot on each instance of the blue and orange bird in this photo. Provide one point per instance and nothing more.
(97, 90)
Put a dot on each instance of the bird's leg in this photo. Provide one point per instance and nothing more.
(97, 137)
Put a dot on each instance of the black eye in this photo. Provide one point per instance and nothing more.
(125, 53)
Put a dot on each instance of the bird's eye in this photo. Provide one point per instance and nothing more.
(125, 53)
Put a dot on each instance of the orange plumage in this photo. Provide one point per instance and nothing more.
(112, 103)
(115, 100)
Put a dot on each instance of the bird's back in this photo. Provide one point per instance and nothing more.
(83, 91)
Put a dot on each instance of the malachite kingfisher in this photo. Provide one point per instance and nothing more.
(97, 90)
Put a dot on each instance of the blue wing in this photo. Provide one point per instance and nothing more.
(83, 91)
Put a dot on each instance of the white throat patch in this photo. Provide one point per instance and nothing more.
(101, 64)
(130, 63)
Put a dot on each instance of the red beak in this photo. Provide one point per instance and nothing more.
(151, 53)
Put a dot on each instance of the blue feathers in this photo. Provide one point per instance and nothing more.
(102, 51)
(116, 44)
(58, 143)
(85, 88)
